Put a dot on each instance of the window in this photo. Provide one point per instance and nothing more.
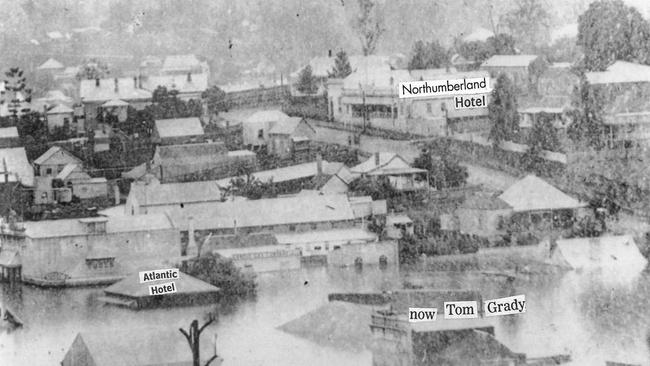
(260, 134)
(318, 247)
(429, 108)
(292, 227)
(48, 171)
(314, 226)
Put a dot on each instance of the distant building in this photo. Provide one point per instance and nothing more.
(52, 162)
(625, 87)
(52, 66)
(399, 173)
(176, 163)
(60, 116)
(189, 86)
(256, 127)
(514, 66)
(183, 65)
(150, 196)
(15, 168)
(81, 184)
(256, 253)
(291, 137)
(91, 250)
(126, 347)
(95, 93)
(9, 137)
(178, 131)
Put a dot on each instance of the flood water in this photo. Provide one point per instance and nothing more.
(591, 317)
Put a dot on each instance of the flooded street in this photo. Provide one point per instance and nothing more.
(591, 317)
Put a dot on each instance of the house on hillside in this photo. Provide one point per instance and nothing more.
(393, 167)
(178, 131)
(15, 167)
(514, 66)
(189, 86)
(256, 127)
(127, 347)
(51, 66)
(537, 205)
(52, 162)
(9, 137)
(150, 196)
(81, 184)
(625, 88)
(60, 116)
(92, 250)
(177, 163)
(95, 93)
(291, 137)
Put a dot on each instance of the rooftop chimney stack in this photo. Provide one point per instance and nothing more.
(329, 53)
(97, 82)
(117, 88)
(135, 82)
(189, 77)
(377, 159)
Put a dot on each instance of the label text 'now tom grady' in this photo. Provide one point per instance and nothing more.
(432, 88)
(159, 274)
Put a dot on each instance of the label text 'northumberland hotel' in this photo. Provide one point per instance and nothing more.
(434, 88)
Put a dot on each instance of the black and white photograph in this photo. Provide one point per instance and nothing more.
(324, 182)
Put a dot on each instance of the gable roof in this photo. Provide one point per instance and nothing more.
(287, 126)
(198, 82)
(509, 61)
(115, 103)
(50, 64)
(388, 163)
(266, 116)
(155, 193)
(53, 150)
(126, 90)
(60, 109)
(115, 224)
(532, 194)
(266, 212)
(620, 72)
(18, 168)
(179, 127)
(128, 347)
(65, 172)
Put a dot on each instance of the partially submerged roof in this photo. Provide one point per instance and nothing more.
(509, 61)
(13, 162)
(620, 72)
(179, 127)
(185, 284)
(599, 253)
(534, 194)
(334, 235)
(76, 227)
(51, 64)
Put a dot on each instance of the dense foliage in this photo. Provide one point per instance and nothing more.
(444, 170)
(306, 81)
(430, 55)
(502, 110)
(342, 67)
(221, 272)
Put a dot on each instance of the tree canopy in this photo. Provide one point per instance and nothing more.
(529, 23)
(479, 51)
(502, 110)
(610, 30)
(430, 55)
(588, 125)
(342, 67)
(369, 24)
(306, 81)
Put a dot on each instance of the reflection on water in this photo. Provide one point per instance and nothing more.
(575, 313)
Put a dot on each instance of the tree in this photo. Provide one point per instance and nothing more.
(535, 70)
(444, 171)
(529, 23)
(610, 30)
(306, 81)
(221, 272)
(369, 24)
(479, 51)
(15, 82)
(431, 55)
(378, 188)
(167, 104)
(408, 249)
(588, 124)
(502, 110)
(93, 69)
(215, 99)
(193, 336)
(342, 66)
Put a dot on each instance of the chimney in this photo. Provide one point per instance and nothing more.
(135, 82)
(377, 159)
(189, 77)
(97, 82)
(117, 88)
(319, 165)
(139, 81)
(329, 53)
